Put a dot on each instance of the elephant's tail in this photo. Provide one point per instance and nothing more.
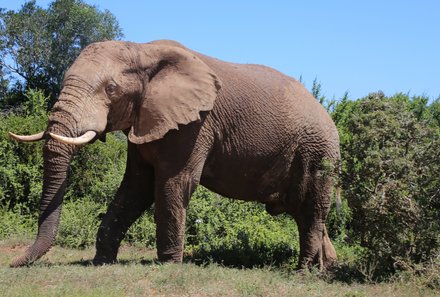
(338, 187)
(338, 200)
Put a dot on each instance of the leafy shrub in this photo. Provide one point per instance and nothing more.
(421, 275)
(16, 224)
(390, 176)
(338, 219)
(21, 165)
(79, 223)
(35, 104)
(237, 233)
(143, 231)
(96, 170)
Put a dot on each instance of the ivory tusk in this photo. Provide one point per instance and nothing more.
(83, 139)
(27, 138)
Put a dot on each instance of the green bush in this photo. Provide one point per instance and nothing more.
(338, 219)
(143, 231)
(237, 233)
(35, 103)
(13, 223)
(96, 171)
(21, 165)
(391, 177)
(79, 223)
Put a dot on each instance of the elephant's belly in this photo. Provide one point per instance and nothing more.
(244, 180)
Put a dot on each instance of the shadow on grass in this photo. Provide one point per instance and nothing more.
(243, 258)
(123, 262)
(341, 273)
(202, 262)
(344, 273)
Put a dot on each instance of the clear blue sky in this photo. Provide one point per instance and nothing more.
(354, 46)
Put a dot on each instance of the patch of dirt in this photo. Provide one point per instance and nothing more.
(12, 250)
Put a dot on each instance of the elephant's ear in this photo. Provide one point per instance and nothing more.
(177, 87)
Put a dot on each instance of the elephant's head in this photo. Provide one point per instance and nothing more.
(147, 89)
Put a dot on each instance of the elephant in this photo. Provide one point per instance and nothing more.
(243, 131)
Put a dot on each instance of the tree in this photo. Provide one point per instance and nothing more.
(3, 81)
(3, 84)
(39, 44)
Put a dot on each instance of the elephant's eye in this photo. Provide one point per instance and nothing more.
(110, 89)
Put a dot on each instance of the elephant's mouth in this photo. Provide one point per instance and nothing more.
(102, 137)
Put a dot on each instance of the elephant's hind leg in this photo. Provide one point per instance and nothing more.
(316, 248)
(134, 196)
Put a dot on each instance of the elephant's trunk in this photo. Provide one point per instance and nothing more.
(57, 157)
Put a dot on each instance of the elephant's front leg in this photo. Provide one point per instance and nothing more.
(135, 195)
(171, 200)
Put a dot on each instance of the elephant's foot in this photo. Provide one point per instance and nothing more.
(316, 251)
(102, 260)
(322, 258)
(170, 257)
(310, 262)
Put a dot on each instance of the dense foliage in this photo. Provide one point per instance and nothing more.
(238, 233)
(21, 165)
(391, 177)
(37, 45)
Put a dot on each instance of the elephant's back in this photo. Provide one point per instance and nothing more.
(264, 106)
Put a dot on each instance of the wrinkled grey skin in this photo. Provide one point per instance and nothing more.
(244, 131)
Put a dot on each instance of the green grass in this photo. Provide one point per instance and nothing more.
(66, 272)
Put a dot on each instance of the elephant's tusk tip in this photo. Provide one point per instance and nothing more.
(27, 138)
(12, 135)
